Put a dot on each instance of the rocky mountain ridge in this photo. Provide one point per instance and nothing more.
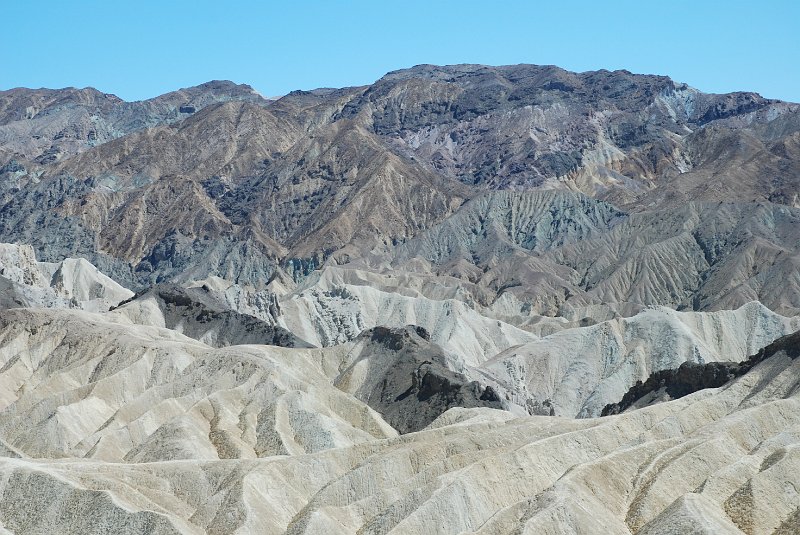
(330, 175)
(690, 377)
(401, 345)
(43, 126)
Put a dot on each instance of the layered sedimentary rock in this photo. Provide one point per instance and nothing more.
(580, 370)
(78, 385)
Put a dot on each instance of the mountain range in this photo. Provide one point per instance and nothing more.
(462, 299)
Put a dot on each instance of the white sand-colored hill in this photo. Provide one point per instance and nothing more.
(146, 431)
(71, 283)
(575, 371)
(110, 428)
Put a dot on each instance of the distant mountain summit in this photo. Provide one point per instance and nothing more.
(46, 126)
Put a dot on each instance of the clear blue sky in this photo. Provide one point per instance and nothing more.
(139, 49)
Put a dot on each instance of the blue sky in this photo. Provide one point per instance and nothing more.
(141, 49)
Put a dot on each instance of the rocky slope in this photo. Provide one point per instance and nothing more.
(42, 126)
(690, 377)
(578, 371)
(554, 253)
(327, 313)
(550, 365)
(612, 134)
(408, 379)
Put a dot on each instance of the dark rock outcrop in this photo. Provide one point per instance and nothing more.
(408, 379)
(690, 377)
